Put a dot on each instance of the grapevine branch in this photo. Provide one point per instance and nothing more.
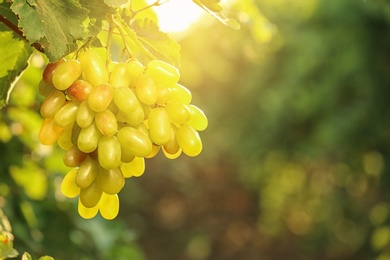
(19, 32)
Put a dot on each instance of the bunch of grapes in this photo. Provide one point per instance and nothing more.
(108, 120)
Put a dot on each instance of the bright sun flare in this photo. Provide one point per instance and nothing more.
(177, 15)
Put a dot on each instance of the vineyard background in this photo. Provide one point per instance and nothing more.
(295, 159)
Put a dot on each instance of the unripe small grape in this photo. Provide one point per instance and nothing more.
(159, 126)
(66, 73)
(66, 115)
(162, 72)
(100, 97)
(109, 152)
(68, 185)
(189, 140)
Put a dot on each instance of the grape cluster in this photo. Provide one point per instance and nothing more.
(108, 120)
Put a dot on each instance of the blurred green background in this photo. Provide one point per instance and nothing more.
(295, 159)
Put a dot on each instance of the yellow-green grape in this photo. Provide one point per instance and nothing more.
(133, 119)
(154, 152)
(47, 74)
(180, 94)
(106, 123)
(178, 112)
(74, 157)
(159, 126)
(49, 132)
(164, 94)
(100, 97)
(134, 168)
(163, 72)
(110, 181)
(91, 195)
(189, 140)
(44, 88)
(75, 133)
(172, 156)
(65, 139)
(88, 138)
(87, 173)
(134, 69)
(126, 155)
(52, 103)
(198, 119)
(66, 73)
(87, 213)
(109, 152)
(143, 128)
(68, 185)
(172, 147)
(134, 141)
(66, 115)
(119, 76)
(113, 107)
(84, 115)
(125, 99)
(146, 89)
(93, 67)
(109, 206)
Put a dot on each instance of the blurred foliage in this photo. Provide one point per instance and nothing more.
(295, 160)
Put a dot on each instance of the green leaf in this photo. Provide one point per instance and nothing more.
(98, 11)
(215, 9)
(115, 3)
(158, 43)
(14, 54)
(56, 24)
(5, 11)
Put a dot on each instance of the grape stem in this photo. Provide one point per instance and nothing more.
(19, 32)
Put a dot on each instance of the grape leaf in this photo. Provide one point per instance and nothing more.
(56, 24)
(14, 54)
(115, 3)
(215, 9)
(5, 11)
(98, 11)
(158, 43)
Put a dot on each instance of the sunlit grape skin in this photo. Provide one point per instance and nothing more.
(134, 141)
(93, 67)
(66, 115)
(47, 74)
(100, 97)
(49, 132)
(109, 206)
(159, 126)
(91, 195)
(68, 185)
(146, 90)
(162, 72)
(74, 157)
(52, 103)
(189, 140)
(66, 73)
(87, 173)
(110, 181)
(109, 152)
(79, 90)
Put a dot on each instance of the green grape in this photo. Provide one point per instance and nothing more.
(100, 97)
(109, 152)
(66, 115)
(79, 90)
(125, 100)
(178, 112)
(180, 94)
(144, 129)
(88, 138)
(52, 103)
(74, 157)
(85, 115)
(164, 94)
(93, 67)
(47, 74)
(68, 185)
(113, 107)
(133, 119)
(91, 195)
(49, 132)
(163, 72)
(106, 123)
(172, 156)
(87, 213)
(109, 206)
(65, 138)
(189, 140)
(87, 173)
(75, 133)
(119, 76)
(146, 90)
(110, 181)
(198, 119)
(159, 126)
(44, 89)
(126, 156)
(134, 141)
(134, 70)
(154, 152)
(134, 168)
(172, 147)
(66, 73)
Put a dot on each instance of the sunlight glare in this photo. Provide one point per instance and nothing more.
(177, 15)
